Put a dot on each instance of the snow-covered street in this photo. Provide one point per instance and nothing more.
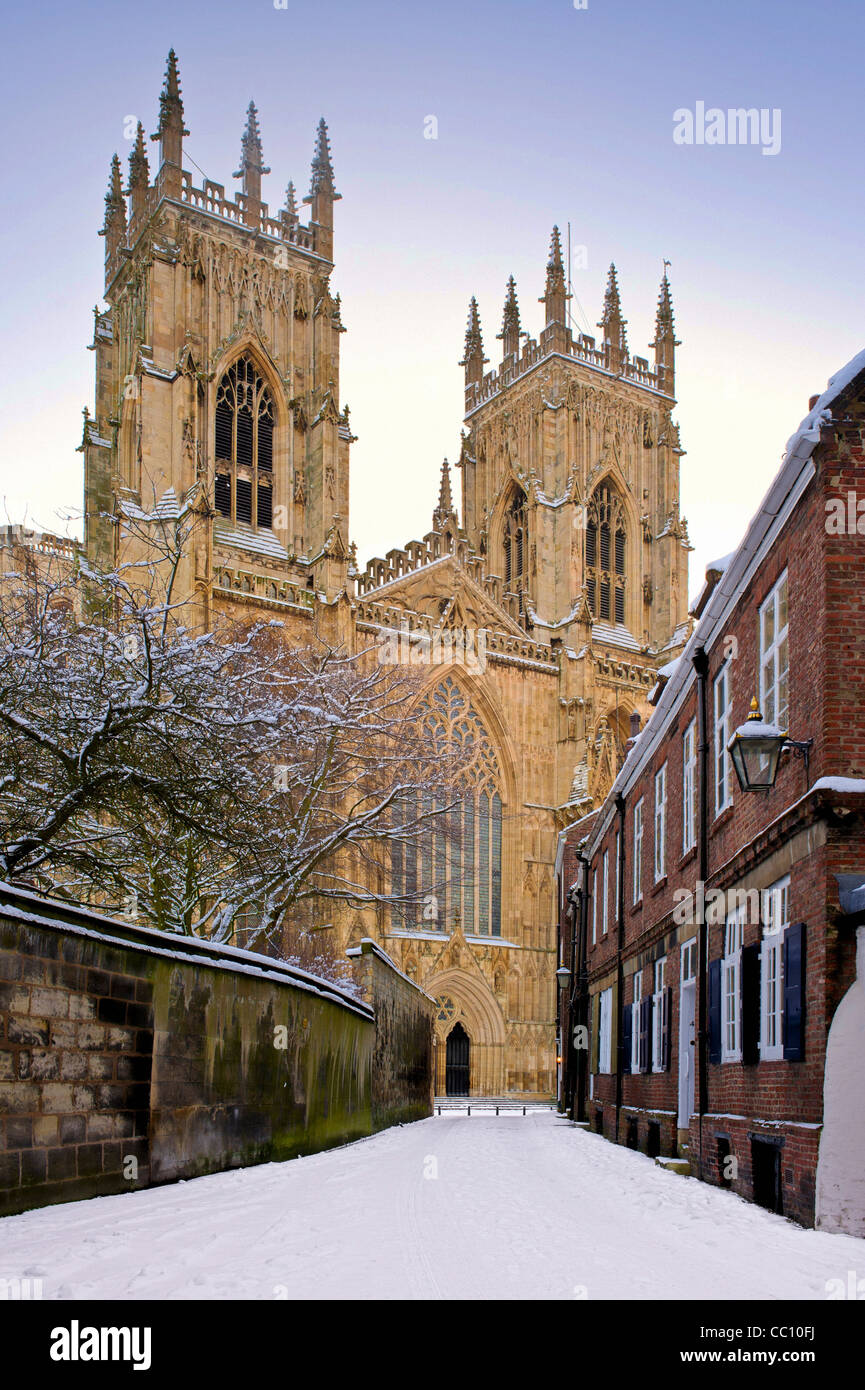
(452, 1207)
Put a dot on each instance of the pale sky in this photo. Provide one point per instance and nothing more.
(545, 114)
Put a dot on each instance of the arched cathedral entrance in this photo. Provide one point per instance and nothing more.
(467, 1009)
(457, 1062)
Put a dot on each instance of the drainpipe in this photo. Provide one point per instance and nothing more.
(620, 964)
(701, 667)
(568, 1049)
(581, 995)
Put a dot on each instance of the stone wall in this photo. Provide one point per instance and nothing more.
(130, 1057)
(402, 1065)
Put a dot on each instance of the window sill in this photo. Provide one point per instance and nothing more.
(658, 885)
(722, 817)
(733, 1058)
(688, 856)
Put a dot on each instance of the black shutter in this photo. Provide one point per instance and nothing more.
(666, 1029)
(222, 439)
(794, 992)
(243, 498)
(265, 443)
(627, 1036)
(265, 505)
(244, 437)
(646, 1034)
(750, 986)
(605, 547)
(714, 1010)
(222, 494)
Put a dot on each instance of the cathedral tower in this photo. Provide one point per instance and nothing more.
(570, 482)
(217, 365)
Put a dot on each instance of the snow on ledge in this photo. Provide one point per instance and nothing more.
(839, 784)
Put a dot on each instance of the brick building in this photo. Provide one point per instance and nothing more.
(710, 931)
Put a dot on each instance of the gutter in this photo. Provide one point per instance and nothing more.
(620, 964)
(582, 990)
(701, 666)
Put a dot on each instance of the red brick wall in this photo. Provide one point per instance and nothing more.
(781, 1099)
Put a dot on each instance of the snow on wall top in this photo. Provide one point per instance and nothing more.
(78, 921)
(374, 949)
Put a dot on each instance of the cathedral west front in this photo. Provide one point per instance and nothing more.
(555, 541)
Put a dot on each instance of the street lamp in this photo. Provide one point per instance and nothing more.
(756, 749)
(563, 975)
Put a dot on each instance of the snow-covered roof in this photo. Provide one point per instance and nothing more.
(616, 635)
(166, 508)
(679, 637)
(242, 536)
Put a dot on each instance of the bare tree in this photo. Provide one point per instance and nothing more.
(208, 783)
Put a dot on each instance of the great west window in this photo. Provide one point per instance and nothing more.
(243, 487)
(456, 872)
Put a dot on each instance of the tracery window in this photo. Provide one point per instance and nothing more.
(605, 556)
(243, 488)
(456, 871)
(515, 544)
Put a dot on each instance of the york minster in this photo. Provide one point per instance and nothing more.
(555, 536)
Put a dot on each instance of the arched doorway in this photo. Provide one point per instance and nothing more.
(457, 1062)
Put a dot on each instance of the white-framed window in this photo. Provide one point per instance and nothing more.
(658, 1015)
(638, 850)
(776, 919)
(688, 958)
(635, 1021)
(722, 708)
(774, 656)
(594, 906)
(731, 987)
(605, 916)
(660, 822)
(605, 1031)
(618, 873)
(689, 787)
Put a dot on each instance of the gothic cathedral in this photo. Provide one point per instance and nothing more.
(217, 394)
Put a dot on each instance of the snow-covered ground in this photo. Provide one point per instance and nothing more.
(451, 1207)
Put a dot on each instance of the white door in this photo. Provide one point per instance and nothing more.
(687, 1015)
